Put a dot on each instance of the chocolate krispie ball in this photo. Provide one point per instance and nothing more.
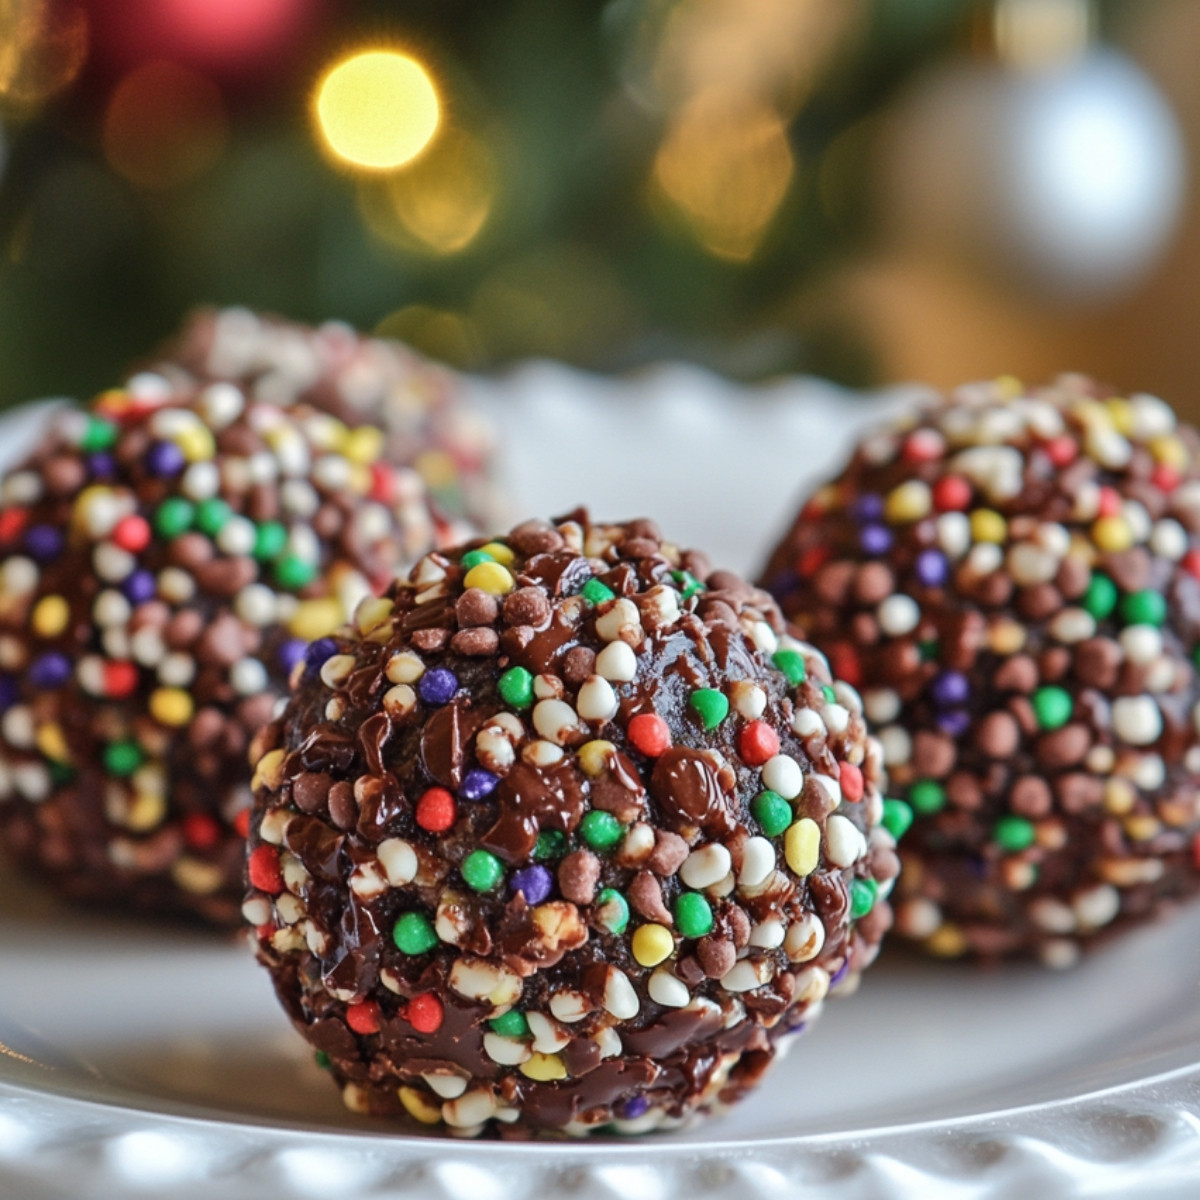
(163, 565)
(564, 833)
(1013, 577)
(419, 405)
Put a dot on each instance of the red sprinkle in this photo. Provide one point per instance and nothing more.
(264, 871)
(812, 560)
(649, 733)
(922, 446)
(383, 483)
(757, 743)
(265, 933)
(132, 533)
(812, 508)
(242, 823)
(843, 661)
(1165, 478)
(1062, 451)
(201, 831)
(1110, 502)
(120, 678)
(951, 493)
(1196, 851)
(12, 523)
(364, 1017)
(436, 810)
(425, 1013)
(852, 782)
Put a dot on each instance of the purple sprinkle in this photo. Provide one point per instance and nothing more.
(165, 458)
(477, 783)
(868, 507)
(291, 652)
(8, 692)
(438, 686)
(798, 1027)
(535, 882)
(931, 568)
(955, 722)
(102, 465)
(44, 542)
(139, 586)
(316, 654)
(875, 539)
(635, 1106)
(950, 688)
(50, 670)
(839, 974)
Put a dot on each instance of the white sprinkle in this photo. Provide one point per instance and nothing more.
(782, 774)
(90, 673)
(1059, 954)
(1136, 720)
(596, 700)
(255, 604)
(617, 662)
(985, 558)
(249, 677)
(668, 991)
(897, 615)
(705, 866)
(844, 844)
(111, 608)
(881, 705)
(112, 563)
(298, 498)
(332, 472)
(147, 647)
(1097, 906)
(22, 487)
(1052, 916)
(175, 585)
(237, 536)
(101, 513)
(1028, 564)
(1148, 772)
(17, 727)
(1168, 539)
(32, 780)
(918, 918)
(1107, 447)
(1142, 643)
(1072, 625)
(954, 534)
(177, 669)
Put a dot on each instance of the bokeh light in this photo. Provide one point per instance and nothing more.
(164, 126)
(377, 109)
(43, 47)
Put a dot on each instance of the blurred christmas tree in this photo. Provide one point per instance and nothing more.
(604, 182)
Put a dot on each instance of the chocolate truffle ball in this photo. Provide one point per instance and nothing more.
(564, 833)
(1011, 576)
(418, 404)
(162, 567)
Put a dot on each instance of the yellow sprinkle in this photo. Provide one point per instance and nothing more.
(269, 772)
(1006, 637)
(1112, 534)
(500, 552)
(145, 812)
(437, 468)
(197, 876)
(363, 445)
(372, 612)
(946, 942)
(113, 402)
(1119, 797)
(545, 1067)
(315, 618)
(652, 944)
(360, 480)
(1121, 412)
(827, 497)
(987, 525)
(1142, 828)
(196, 442)
(1169, 450)
(1092, 414)
(491, 577)
(1008, 387)
(171, 706)
(50, 617)
(595, 756)
(907, 503)
(51, 742)
(420, 1106)
(802, 846)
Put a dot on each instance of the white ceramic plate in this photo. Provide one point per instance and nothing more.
(145, 1061)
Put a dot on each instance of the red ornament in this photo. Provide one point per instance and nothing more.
(364, 1017)
(851, 780)
(264, 871)
(425, 1013)
(757, 743)
(120, 678)
(201, 831)
(132, 533)
(436, 810)
(649, 734)
(951, 493)
(12, 523)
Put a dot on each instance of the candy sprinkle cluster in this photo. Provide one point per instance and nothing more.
(1013, 576)
(162, 567)
(564, 834)
(418, 404)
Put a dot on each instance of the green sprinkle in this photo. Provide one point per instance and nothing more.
(612, 911)
(1052, 706)
(473, 558)
(1014, 834)
(516, 687)
(1101, 596)
(929, 649)
(551, 843)
(482, 870)
(791, 663)
(212, 515)
(511, 1024)
(322, 1060)
(772, 812)
(897, 817)
(1144, 608)
(293, 572)
(414, 933)
(693, 915)
(927, 797)
(595, 592)
(174, 517)
(862, 897)
(829, 694)
(123, 758)
(710, 705)
(1196, 654)
(689, 585)
(99, 434)
(269, 540)
(601, 830)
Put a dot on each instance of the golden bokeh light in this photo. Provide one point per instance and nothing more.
(447, 336)
(441, 203)
(165, 125)
(377, 109)
(43, 46)
(725, 167)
